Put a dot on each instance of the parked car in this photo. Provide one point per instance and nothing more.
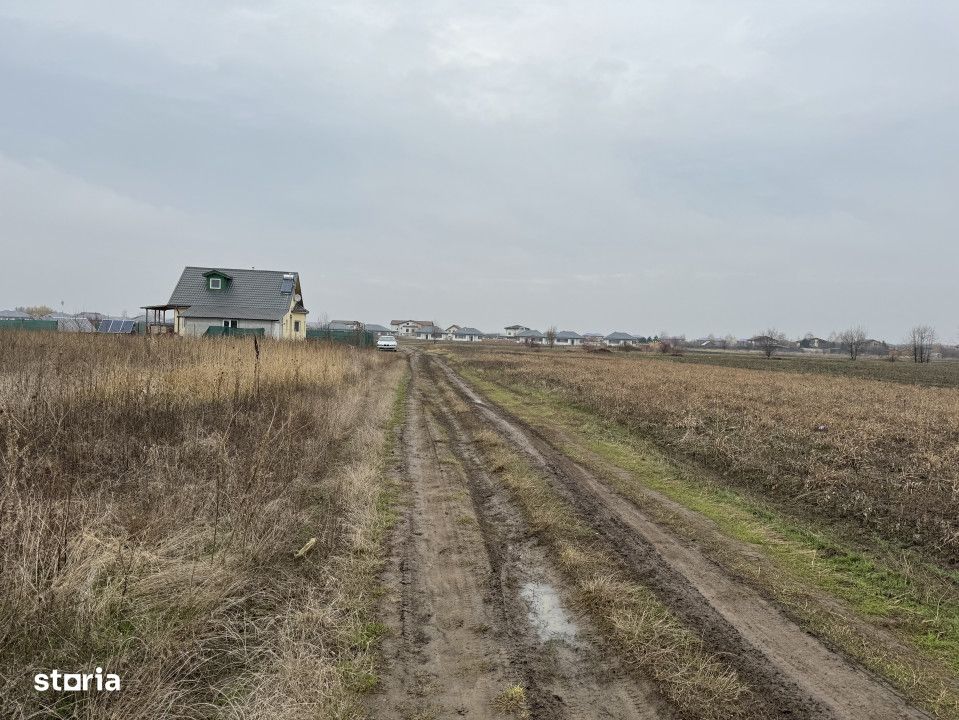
(386, 342)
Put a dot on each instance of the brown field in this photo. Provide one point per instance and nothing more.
(498, 534)
(152, 495)
(882, 455)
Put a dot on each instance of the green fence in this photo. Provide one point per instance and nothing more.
(221, 331)
(22, 324)
(360, 338)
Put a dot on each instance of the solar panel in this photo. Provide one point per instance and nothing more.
(287, 286)
(117, 327)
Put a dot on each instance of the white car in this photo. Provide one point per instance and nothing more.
(386, 342)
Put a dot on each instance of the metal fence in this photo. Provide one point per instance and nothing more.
(359, 338)
(23, 324)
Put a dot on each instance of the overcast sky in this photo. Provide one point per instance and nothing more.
(689, 166)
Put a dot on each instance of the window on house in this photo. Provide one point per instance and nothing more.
(296, 326)
(216, 283)
(230, 323)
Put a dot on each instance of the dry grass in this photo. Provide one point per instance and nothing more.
(512, 701)
(883, 455)
(152, 494)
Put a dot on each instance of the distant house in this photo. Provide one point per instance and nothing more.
(450, 332)
(409, 327)
(529, 337)
(618, 339)
(343, 326)
(816, 343)
(209, 301)
(875, 347)
(568, 338)
(14, 315)
(467, 334)
(429, 332)
(758, 342)
(378, 329)
(514, 330)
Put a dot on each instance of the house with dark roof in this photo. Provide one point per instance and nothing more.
(268, 302)
(529, 337)
(467, 334)
(568, 338)
(429, 332)
(409, 327)
(618, 339)
(15, 315)
(514, 330)
(816, 344)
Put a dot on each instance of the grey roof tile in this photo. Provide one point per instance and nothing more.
(250, 294)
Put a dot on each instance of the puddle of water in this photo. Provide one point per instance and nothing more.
(546, 612)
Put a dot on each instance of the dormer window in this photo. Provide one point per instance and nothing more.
(217, 280)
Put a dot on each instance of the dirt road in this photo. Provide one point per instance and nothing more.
(484, 620)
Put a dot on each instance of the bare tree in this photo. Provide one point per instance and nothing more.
(36, 311)
(728, 341)
(922, 338)
(771, 341)
(551, 335)
(852, 340)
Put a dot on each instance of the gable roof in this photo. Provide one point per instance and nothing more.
(373, 327)
(530, 334)
(516, 327)
(342, 325)
(619, 336)
(429, 329)
(421, 323)
(250, 294)
(568, 335)
(468, 331)
(15, 315)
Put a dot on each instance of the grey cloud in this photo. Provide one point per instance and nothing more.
(601, 165)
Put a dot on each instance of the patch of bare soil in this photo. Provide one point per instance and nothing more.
(475, 604)
(796, 675)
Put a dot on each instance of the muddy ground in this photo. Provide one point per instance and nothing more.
(479, 609)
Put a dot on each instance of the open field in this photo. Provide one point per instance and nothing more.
(152, 495)
(941, 373)
(489, 545)
(884, 456)
(895, 610)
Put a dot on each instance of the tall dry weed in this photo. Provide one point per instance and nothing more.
(152, 492)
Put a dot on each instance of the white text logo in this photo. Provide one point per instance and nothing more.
(76, 682)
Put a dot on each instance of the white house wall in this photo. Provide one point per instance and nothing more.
(195, 327)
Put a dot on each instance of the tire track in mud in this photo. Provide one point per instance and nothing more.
(794, 674)
(444, 661)
(575, 680)
(459, 560)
